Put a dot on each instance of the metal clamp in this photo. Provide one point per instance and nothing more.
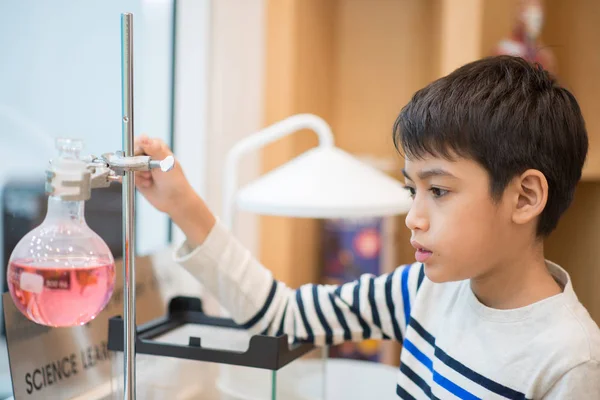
(121, 164)
(101, 172)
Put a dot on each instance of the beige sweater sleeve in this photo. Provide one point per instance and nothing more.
(369, 307)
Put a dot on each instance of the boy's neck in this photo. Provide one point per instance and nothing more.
(517, 283)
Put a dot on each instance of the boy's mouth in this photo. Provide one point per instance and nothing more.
(422, 254)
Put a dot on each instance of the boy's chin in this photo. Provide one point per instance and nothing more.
(437, 273)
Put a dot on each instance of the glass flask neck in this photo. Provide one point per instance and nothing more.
(69, 149)
(66, 211)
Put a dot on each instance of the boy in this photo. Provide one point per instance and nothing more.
(493, 153)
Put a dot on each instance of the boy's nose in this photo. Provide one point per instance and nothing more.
(416, 219)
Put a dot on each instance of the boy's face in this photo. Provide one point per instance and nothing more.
(458, 231)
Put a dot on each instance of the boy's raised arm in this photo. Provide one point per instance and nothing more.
(370, 307)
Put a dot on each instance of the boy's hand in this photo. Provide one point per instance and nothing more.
(164, 190)
(170, 192)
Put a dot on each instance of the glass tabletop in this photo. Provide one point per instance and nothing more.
(164, 377)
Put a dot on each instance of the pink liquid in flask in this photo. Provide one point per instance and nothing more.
(61, 296)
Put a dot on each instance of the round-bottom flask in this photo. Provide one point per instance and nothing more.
(62, 273)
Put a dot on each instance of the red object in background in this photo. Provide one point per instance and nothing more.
(368, 243)
(353, 247)
(525, 38)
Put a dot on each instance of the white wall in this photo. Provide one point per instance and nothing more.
(193, 45)
(236, 98)
(60, 76)
(219, 100)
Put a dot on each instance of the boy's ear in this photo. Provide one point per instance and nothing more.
(531, 189)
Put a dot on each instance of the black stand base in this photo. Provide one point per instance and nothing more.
(265, 352)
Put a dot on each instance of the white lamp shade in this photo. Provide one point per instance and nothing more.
(325, 182)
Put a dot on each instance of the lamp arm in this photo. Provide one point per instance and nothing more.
(260, 139)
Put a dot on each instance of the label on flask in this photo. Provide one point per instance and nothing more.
(57, 279)
(33, 283)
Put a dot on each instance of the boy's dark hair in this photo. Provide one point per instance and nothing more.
(508, 115)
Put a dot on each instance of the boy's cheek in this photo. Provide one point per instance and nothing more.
(460, 244)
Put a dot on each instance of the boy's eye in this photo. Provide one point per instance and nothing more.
(437, 192)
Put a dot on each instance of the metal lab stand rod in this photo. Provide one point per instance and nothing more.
(128, 208)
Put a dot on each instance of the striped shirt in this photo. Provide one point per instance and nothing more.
(453, 346)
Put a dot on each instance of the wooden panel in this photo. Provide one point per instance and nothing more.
(298, 66)
(279, 99)
(572, 30)
(498, 22)
(461, 24)
(383, 54)
(574, 245)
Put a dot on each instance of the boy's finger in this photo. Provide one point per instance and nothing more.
(144, 183)
(154, 148)
(137, 145)
(143, 175)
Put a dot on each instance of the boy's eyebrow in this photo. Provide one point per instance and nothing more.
(428, 173)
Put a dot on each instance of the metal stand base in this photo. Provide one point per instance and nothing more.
(265, 352)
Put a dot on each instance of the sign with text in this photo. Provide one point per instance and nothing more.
(65, 363)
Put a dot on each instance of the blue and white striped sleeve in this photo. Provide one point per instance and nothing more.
(370, 307)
